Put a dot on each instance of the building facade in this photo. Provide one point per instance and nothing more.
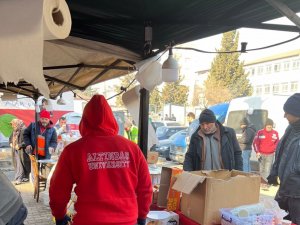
(275, 75)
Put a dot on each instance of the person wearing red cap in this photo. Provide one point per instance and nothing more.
(46, 132)
(113, 184)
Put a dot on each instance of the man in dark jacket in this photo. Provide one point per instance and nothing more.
(12, 209)
(213, 146)
(47, 131)
(287, 162)
(245, 141)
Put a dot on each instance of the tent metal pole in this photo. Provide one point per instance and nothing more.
(143, 121)
(37, 109)
(81, 65)
(145, 95)
(63, 82)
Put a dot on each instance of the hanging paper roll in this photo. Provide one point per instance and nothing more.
(25, 24)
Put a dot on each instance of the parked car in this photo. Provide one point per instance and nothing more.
(178, 146)
(3, 141)
(165, 132)
(166, 123)
(163, 147)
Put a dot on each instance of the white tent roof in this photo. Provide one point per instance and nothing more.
(76, 63)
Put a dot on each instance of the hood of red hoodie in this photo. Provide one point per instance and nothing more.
(98, 118)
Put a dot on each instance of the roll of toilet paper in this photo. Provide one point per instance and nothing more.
(25, 24)
(56, 19)
(248, 210)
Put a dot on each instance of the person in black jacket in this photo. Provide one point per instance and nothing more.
(46, 131)
(12, 209)
(245, 141)
(213, 146)
(286, 167)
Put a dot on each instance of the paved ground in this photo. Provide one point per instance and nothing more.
(38, 213)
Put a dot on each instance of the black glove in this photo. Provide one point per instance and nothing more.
(141, 221)
(273, 180)
(63, 221)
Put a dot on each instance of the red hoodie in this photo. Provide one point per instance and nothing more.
(265, 142)
(113, 184)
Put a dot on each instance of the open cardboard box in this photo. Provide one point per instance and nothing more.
(167, 197)
(205, 192)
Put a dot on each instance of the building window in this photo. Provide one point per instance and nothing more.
(258, 90)
(296, 64)
(284, 87)
(268, 69)
(294, 86)
(260, 70)
(267, 89)
(286, 66)
(275, 88)
(252, 71)
(277, 67)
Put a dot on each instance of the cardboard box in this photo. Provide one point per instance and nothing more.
(152, 157)
(167, 197)
(155, 173)
(155, 195)
(162, 218)
(204, 193)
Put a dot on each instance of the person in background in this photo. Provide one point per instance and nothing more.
(131, 131)
(63, 132)
(12, 209)
(21, 158)
(62, 128)
(213, 146)
(286, 166)
(190, 117)
(173, 118)
(46, 135)
(160, 117)
(46, 106)
(264, 144)
(113, 184)
(245, 141)
(167, 117)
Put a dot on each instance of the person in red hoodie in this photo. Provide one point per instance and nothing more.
(113, 184)
(264, 144)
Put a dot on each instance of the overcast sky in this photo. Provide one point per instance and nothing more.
(255, 38)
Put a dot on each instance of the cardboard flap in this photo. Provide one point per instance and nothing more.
(186, 182)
